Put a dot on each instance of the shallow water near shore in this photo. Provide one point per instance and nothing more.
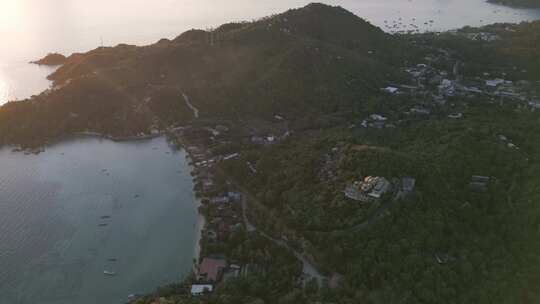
(29, 29)
(86, 205)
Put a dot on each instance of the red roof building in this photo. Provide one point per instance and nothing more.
(210, 269)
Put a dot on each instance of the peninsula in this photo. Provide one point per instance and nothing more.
(52, 59)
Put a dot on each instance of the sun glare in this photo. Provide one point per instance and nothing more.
(10, 12)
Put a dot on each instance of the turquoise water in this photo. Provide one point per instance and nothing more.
(56, 237)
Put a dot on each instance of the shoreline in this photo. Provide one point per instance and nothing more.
(201, 219)
(41, 148)
(199, 227)
(164, 165)
(118, 139)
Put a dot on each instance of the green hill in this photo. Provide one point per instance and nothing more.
(314, 59)
(321, 67)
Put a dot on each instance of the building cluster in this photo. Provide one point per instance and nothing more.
(482, 36)
(270, 139)
(211, 271)
(373, 188)
(220, 204)
(264, 140)
(377, 121)
(223, 213)
(507, 142)
(433, 87)
(208, 145)
(370, 189)
(476, 35)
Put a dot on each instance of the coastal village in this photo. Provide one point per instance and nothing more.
(220, 207)
(394, 190)
(222, 204)
(437, 90)
(434, 89)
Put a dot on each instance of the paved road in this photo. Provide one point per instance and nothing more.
(308, 269)
(191, 106)
(249, 226)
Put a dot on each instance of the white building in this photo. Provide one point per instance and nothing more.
(200, 289)
(494, 82)
(390, 90)
(377, 117)
(371, 188)
(455, 115)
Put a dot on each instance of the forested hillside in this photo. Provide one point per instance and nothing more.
(291, 63)
(294, 110)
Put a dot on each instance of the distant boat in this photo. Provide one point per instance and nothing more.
(109, 273)
(103, 225)
(113, 260)
(105, 216)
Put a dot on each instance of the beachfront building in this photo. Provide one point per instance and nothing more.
(200, 289)
(211, 269)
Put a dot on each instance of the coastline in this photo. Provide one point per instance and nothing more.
(119, 139)
(199, 227)
(41, 148)
(200, 221)
(200, 218)
(151, 271)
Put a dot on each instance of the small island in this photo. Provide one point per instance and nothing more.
(52, 59)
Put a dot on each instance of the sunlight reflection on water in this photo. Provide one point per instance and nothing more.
(20, 80)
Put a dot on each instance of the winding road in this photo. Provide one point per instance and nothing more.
(191, 106)
(308, 269)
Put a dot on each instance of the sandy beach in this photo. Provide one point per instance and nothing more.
(201, 222)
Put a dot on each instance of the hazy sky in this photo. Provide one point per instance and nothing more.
(79, 24)
(29, 29)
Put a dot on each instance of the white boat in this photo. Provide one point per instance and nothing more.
(109, 273)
